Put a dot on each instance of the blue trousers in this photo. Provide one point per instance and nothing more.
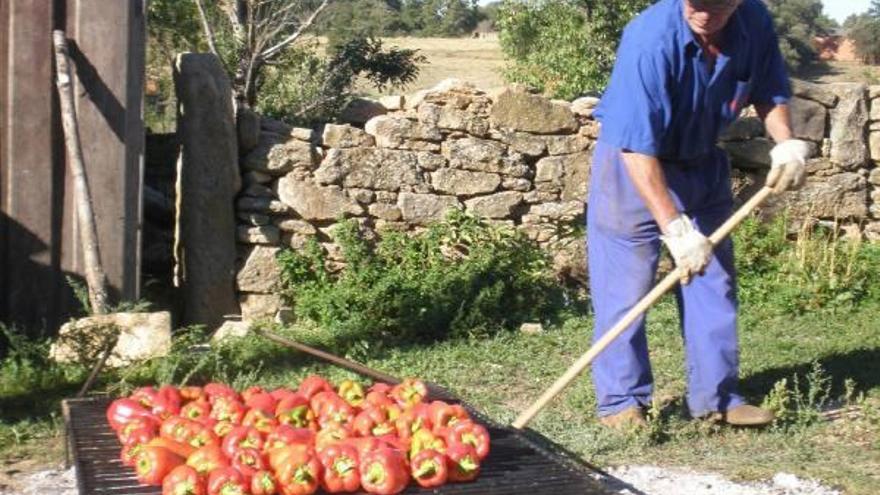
(623, 248)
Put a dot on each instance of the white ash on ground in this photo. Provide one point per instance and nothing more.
(54, 481)
(654, 480)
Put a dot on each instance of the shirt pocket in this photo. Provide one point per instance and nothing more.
(740, 100)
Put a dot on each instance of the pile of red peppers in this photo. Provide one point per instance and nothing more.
(213, 440)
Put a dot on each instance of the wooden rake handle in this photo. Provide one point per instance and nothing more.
(667, 283)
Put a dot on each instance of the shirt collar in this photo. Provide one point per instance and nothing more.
(735, 29)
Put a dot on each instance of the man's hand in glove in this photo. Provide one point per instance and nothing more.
(690, 249)
(788, 169)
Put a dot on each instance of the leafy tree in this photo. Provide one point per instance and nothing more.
(798, 22)
(563, 48)
(864, 30)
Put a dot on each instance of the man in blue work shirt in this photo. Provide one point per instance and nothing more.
(685, 70)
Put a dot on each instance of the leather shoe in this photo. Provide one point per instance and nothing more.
(628, 419)
(744, 415)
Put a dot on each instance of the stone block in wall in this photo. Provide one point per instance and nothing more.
(481, 155)
(260, 272)
(584, 106)
(816, 92)
(874, 144)
(561, 211)
(255, 219)
(385, 211)
(258, 191)
(516, 184)
(874, 112)
(464, 182)
(561, 145)
(275, 126)
(808, 119)
(874, 176)
(518, 110)
(391, 131)
(872, 231)
(345, 136)
(362, 196)
(454, 92)
(875, 195)
(874, 211)
(590, 129)
(359, 111)
(849, 148)
(843, 195)
(570, 261)
(263, 234)
(745, 184)
(568, 172)
(752, 154)
(265, 206)
(453, 119)
(259, 306)
(247, 124)
(743, 129)
(276, 155)
(296, 226)
(393, 102)
(425, 208)
(500, 205)
(520, 142)
(537, 197)
(314, 202)
(373, 168)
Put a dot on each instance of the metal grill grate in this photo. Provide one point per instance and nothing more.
(517, 463)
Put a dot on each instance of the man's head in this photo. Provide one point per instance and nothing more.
(708, 17)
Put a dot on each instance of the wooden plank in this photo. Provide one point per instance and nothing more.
(111, 129)
(26, 201)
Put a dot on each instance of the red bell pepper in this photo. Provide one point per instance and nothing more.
(248, 461)
(297, 469)
(184, 480)
(373, 421)
(314, 384)
(470, 433)
(181, 449)
(409, 392)
(425, 440)
(167, 402)
(295, 411)
(152, 463)
(197, 410)
(429, 469)
(123, 411)
(137, 424)
(263, 483)
(227, 481)
(241, 437)
(384, 471)
(412, 420)
(364, 445)
(179, 429)
(263, 401)
(207, 459)
(260, 419)
(378, 396)
(340, 469)
(351, 392)
(214, 390)
(282, 393)
(335, 411)
(203, 435)
(444, 415)
(249, 392)
(462, 462)
(129, 453)
(225, 408)
(286, 435)
(145, 396)
(330, 435)
(191, 393)
(220, 428)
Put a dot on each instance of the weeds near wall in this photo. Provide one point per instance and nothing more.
(460, 277)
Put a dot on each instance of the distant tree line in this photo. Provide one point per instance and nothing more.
(864, 31)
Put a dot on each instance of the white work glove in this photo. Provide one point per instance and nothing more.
(690, 249)
(788, 169)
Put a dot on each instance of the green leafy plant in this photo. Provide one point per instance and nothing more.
(459, 277)
(799, 403)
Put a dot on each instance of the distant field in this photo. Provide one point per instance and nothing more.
(829, 72)
(479, 61)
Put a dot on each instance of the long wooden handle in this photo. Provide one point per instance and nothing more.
(646, 302)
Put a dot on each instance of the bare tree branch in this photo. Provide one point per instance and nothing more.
(209, 32)
(271, 52)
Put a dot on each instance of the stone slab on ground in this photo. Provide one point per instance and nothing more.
(655, 480)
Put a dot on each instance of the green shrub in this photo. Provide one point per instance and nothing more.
(816, 271)
(459, 277)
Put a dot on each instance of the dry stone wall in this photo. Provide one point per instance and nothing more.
(510, 156)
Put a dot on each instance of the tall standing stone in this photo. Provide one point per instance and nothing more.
(849, 120)
(208, 179)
